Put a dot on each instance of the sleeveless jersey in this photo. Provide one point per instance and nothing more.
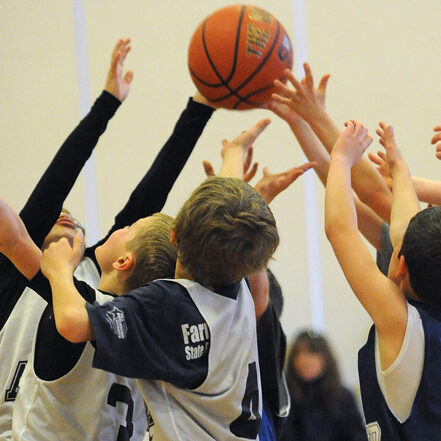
(424, 422)
(16, 342)
(227, 405)
(85, 404)
(15, 346)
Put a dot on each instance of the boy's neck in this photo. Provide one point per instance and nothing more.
(181, 272)
(109, 283)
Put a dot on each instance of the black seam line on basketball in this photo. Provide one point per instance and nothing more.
(262, 89)
(235, 91)
(224, 82)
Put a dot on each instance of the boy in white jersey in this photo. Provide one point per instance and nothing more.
(63, 409)
(190, 341)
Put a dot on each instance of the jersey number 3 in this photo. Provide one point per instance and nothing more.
(120, 393)
(248, 423)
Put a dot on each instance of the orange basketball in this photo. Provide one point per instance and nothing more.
(236, 53)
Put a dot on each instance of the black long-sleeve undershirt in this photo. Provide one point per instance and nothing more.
(45, 202)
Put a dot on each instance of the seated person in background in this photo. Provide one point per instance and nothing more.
(322, 409)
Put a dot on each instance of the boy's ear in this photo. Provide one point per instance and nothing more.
(124, 263)
(402, 268)
(173, 236)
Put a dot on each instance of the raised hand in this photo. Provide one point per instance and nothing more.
(352, 143)
(117, 83)
(272, 184)
(306, 100)
(60, 257)
(248, 173)
(387, 140)
(436, 140)
(380, 160)
(234, 153)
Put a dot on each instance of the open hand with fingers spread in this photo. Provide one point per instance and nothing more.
(272, 184)
(352, 143)
(117, 82)
(305, 100)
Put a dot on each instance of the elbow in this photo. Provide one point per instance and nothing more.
(330, 230)
(68, 326)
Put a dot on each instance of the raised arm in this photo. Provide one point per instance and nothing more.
(45, 203)
(58, 264)
(427, 190)
(405, 202)
(235, 152)
(369, 223)
(16, 244)
(380, 296)
(151, 193)
(309, 103)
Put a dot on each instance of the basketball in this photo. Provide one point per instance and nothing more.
(236, 53)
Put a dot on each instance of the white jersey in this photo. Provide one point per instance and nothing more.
(85, 404)
(227, 406)
(15, 346)
(16, 342)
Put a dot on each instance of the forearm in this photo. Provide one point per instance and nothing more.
(232, 163)
(45, 203)
(151, 193)
(16, 244)
(325, 128)
(371, 189)
(427, 190)
(69, 306)
(404, 203)
(259, 291)
(340, 213)
(366, 181)
(312, 148)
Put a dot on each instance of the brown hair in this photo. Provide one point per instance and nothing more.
(224, 231)
(329, 385)
(155, 255)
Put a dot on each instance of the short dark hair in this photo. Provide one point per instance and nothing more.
(422, 250)
(155, 256)
(224, 231)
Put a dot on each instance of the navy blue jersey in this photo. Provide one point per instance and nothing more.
(148, 322)
(424, 422)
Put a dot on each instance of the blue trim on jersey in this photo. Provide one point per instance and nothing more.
(267, 431)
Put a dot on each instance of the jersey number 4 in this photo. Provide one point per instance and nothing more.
(248, 423)
(12, 391)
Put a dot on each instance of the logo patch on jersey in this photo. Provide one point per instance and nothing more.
(117, 321)
(196, 340)
(373, 431)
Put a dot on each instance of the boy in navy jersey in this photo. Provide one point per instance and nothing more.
(399, 365)
(191, 341)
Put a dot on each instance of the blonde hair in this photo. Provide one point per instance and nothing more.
(155, 255)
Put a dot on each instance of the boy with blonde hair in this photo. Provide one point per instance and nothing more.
(191, 342)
